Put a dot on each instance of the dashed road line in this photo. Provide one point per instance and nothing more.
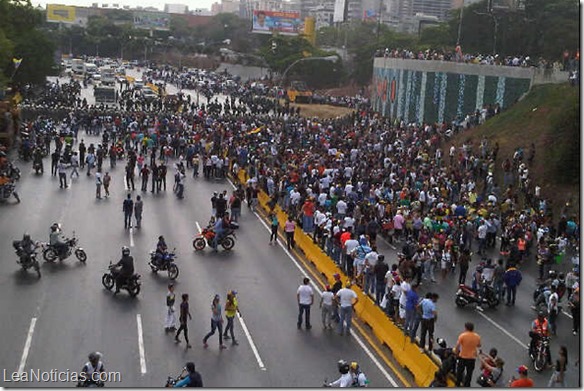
(141, 344)
(27, 345)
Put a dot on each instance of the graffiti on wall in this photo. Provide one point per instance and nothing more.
(417, 96)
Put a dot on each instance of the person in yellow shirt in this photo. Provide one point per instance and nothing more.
(231, 307)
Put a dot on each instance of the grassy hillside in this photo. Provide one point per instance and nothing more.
(549, 117)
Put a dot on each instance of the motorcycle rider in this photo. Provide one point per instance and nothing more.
(38, 158)
(221, 226)
(161, 251)
(346, 379)
(359, 378)
(25, 248)
(91, 372)
(57, 240)
(539, 330)
(192, 378)
(126, 270)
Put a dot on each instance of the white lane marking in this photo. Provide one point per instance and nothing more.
(567, 314)
(141, 344)
(27, 346)
(491, 321)
(357, 338)
(131, 237)
(374, 359)
(198, 227)
(251, 343)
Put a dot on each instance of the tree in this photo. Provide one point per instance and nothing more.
(21, 37)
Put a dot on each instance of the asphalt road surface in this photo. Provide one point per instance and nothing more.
(55, 321)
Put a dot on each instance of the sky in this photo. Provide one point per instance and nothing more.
(192, 4)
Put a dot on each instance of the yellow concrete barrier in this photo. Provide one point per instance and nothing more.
(407, 354)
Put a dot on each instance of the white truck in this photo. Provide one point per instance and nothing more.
(78, 66)
(90, 68)
(108, 76)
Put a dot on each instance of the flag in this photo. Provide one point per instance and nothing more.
(256, 130)
(16, 62)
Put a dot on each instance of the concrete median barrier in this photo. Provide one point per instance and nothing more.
(406, 353)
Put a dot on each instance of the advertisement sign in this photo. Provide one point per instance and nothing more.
(285, 23)
(370, 16)
(339, 11)
(58, 13)
(151, 20)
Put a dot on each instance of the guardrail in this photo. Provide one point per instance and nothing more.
(406, 353)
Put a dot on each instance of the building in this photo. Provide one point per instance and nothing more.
(176, 8)
(226, 6)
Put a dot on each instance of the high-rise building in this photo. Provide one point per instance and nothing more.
(437, 8)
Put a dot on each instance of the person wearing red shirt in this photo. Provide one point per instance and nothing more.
(308, 215)
(523, 380)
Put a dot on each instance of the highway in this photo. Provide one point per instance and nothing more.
(55, 321)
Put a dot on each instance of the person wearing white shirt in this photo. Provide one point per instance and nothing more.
(341, 209)
(370, 262)
(294, 197)
(404, 288)
(326, 305)
(322, 198)
(347, 298)
(349, 222)
(305, 298)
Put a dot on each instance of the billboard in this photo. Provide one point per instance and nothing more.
(58, 13)
(370, 16)
(151, 20)
(285, 23)
(339, 11)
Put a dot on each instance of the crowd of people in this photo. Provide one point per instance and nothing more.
(483, 59)
(348, 182)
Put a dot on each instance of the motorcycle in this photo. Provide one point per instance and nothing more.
(207, 236)
(466, 295)
(50, 253)
(540, 354)
(165, 263)
(37, 166)
(27, 261)
(8, 189)
(132, 284)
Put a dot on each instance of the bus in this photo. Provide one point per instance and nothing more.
(108, 76)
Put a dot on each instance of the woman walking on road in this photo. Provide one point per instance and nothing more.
(184, 312)
(216, 323)
(231, 307)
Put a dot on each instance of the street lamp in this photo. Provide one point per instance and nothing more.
(327, 58)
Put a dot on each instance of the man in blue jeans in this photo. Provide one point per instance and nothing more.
(347, 298)
(429, 316)
(305, 298)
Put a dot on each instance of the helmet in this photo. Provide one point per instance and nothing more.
(190, 366)
(94, 356)
(161, 237)
(441, 342)
(26, 236)
(354, 366)
(541, 314)
(552, 274)
(343, 367)
(54, 226)
(125, 251)
(561, 276)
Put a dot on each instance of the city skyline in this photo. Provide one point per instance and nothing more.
(198, 4)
